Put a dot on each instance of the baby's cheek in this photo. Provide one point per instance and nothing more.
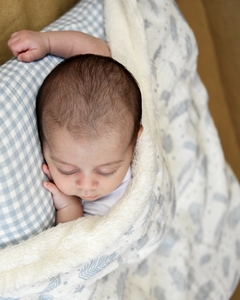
(115, 183)
(65, 189)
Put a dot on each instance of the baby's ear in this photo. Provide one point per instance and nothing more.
(140, 131)
(46, 171)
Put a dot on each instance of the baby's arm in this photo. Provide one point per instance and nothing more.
(32, 45)
(68, 208)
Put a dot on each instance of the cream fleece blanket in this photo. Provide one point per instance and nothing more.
(175, 234)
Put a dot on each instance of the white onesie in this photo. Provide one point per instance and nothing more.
(102, 205)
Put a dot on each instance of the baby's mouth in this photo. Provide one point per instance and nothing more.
(89, 198)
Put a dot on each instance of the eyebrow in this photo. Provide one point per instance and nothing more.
(103, 165)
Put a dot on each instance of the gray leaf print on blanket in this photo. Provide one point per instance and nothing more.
(168, 242)
(205, 291)
(220, 198)
(147, 24)
(157, 52)
(79, 289)
(234, 217)
(167, 143)
(189, 46)
(96, 266)
(178, 279)
(178, 110)
(52, 284)
(226, 265)
(153, 6)
(129, 231)
(121, 285)
(142, 242)
(159, 293)
(165, 96)
(45, 297)
(191, 146)
(152, 204)
(205, 259)
(173, 27)
(143, 269)
(184, 75)
(195, 214)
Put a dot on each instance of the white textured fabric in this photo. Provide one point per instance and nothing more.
(176, 233)
(102, 206)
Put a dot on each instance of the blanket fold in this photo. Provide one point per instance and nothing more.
(175, 232)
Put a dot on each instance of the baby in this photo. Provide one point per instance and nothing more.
(89, 119)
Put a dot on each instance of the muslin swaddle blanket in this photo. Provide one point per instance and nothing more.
(175, 234)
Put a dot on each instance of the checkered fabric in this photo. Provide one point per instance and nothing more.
(25, 206)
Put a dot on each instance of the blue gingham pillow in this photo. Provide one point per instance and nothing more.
(25, 206)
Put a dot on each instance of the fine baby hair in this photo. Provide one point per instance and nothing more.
(89, 95)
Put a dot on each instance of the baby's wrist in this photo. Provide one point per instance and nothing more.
(70, 212)
(46, 38)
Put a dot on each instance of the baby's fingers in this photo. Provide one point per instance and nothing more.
(13, 45)
(15, 34)
(28, 56)
(51, 187)
(13, 38)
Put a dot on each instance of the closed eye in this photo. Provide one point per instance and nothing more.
(67, 173)
(106, 174)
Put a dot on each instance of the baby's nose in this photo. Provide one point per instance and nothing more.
(86, 183)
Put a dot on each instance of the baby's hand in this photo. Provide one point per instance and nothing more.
(68, 207)
(29, 45)
(60, 200)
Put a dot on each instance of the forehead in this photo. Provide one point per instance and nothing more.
(65, 145)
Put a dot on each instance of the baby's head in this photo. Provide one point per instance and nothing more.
(92, 104)
(90, 96)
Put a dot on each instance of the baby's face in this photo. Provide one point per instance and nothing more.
(88, 169)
